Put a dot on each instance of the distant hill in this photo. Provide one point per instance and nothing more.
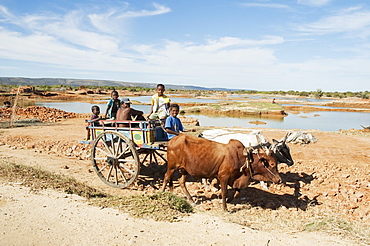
(90, 82)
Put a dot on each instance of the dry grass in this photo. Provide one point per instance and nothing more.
(40, 179)
(161, 206)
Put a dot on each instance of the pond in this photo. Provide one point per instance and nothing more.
(323, 120)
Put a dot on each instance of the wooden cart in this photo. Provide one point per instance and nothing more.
(120, 148)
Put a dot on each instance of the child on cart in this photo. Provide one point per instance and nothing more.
(94, 120)
(160, 104)
(173, 124)
(112, 106)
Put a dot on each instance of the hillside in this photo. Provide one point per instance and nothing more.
(90, 82)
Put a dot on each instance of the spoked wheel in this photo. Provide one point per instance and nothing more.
(153, 156)
(115, 159)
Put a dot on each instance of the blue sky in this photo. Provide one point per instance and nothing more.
(301, 45)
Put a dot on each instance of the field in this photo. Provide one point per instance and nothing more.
(325, 199)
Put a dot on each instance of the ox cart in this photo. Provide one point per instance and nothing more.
(120, 148)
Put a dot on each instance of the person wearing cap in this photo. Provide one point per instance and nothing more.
(125, 112)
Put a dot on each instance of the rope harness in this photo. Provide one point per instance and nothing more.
(248, 152)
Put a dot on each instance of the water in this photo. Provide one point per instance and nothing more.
(316, 106)
(81, 107)
(239, 98)
(308, 99)
(326, 121)
(147, 99)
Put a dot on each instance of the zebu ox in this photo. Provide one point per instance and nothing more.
(255, 138)
(232, 164)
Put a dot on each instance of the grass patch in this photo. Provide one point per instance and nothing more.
(162, 206)
(216, 106)
(329, 224)
(264, 106)
(40, 179)
(159, 206)
(239, 107)
(192, 110)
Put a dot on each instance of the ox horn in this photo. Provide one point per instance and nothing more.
(258, 139)
(286, 137)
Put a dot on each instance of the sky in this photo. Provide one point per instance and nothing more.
(300, 45)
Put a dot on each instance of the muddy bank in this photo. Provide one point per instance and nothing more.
(360, 103)
(236, 109)
(313, 109)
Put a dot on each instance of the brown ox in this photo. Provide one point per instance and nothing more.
(232, 164)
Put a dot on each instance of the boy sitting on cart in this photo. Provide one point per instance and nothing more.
(94, 120)
(173, 124)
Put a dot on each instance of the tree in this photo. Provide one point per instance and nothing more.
(319, 93)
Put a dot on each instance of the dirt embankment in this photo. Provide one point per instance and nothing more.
(359, 103)
(39, 113)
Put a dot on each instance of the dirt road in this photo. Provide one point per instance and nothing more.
(331, 175)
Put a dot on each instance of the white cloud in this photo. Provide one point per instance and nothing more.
(266, 5)
(97, 31)
(314, 2)
(159, 9)
(8, 17)
(358, 22)
(230, 42)
(111, 21)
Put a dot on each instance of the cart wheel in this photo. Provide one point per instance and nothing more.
(115, 159)
(153, 156)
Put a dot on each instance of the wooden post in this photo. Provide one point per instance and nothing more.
(12, 117)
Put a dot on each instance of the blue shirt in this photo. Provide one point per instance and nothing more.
(174, 124)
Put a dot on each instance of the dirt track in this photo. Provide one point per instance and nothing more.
(332, 174)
